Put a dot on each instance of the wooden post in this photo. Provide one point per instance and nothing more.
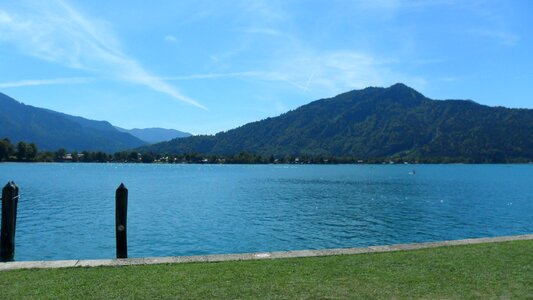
(16, 206)
(9, 221)
(121, 215)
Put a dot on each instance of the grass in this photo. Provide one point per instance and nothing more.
(495, 270)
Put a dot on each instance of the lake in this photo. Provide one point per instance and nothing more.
(66, 211)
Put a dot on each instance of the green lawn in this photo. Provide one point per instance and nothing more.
(495, 270)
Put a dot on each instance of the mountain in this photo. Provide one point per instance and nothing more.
(51, 130)
(155, 135)
(378, 123)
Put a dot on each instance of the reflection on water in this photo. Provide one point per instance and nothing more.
(66, 211)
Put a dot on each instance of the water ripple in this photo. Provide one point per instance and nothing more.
(66, 211)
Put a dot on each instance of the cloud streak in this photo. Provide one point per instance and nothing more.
(334, 71)
(170, 38)
(264, 31)
(261, 75)
(39, 82)
(56, 32)
(505, 38)
(289, 56)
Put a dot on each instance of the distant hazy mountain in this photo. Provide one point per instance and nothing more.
(378, 122)
(155, 135)
(51, 130)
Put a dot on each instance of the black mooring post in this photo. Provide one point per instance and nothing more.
(121, 215)
(9, 219)
(16, 206)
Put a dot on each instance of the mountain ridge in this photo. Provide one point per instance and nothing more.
(154, 134)
(397, 121)
(51, 130)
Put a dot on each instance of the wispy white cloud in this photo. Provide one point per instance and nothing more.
(265, 11)
(337, 71)
(292, 58)
(452, 78)
(260, 75)
(495, 28)
(57, 32)
(503, 37)
(306, 87)
(428, 61)
(342, 69)
(170, 38)
(226, 55)
(4, 17)
(401, 4)
(379, 4)
(334, 72)
(38, 82)
(264, 31)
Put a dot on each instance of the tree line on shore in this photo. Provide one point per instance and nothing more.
(28, 152)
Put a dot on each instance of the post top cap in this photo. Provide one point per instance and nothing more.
(10, 184)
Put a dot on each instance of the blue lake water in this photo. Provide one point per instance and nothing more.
(66, 211)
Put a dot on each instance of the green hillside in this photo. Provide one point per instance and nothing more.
(378, 123)
(51, 130)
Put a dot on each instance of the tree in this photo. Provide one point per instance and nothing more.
(21, 150)
(133, 157)
(75, 157)
(147, 158)
(31, 151)
(46, 156)
(84, 156)
(100, 157)
(6, 149)
(120, 156)
(60, 154)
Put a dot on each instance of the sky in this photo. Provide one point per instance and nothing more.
(210, 66)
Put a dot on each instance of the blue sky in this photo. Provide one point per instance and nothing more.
(209, 66)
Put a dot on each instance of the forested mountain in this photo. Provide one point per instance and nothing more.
(378, 123)
(51, 130)
(155, 135)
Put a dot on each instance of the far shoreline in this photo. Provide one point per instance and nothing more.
(258, 164)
